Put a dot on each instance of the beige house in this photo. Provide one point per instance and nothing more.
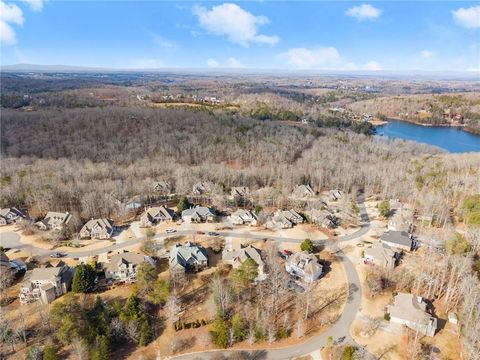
(382, 255)
(202, 188)
(302, 192)
(45, 284)
(237, 257)
(411, 310)
(97, 229)
(54, 221)
(162, 187)
(336, 194)
(155, 215)
(123, 266)
(284, 219)
(324, 218)
(10, 216)
(241, 217)
(304, 266)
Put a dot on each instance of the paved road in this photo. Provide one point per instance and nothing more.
(339, 331)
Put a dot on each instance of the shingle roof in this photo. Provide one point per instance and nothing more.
(187, 254)
(397, 237)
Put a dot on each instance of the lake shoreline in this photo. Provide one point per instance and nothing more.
(458, 126)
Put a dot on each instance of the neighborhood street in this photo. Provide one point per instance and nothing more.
(339, 331)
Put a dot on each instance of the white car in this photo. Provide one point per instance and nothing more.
(169, 231)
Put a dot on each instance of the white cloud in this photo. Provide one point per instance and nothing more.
(237, 24)
(372, 66)
(474, 69)
(469, 17)
(304, 58)
(164, 43)
(427, 54)
(213, 63)
(234, 63)
(364, 12)
(9, 14)
(34, 5)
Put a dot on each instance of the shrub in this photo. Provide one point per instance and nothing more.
(307, 245)
(384, 208)
(348, 352)
(458, 245)
(386, 316)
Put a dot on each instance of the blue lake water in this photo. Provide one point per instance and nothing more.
(451, 139)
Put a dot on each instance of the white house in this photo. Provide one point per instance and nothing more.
(10, 216)
(198, 214)
(241, 217)
(155, 215)
(123, 266)
(237, 257)
(54, 221)
(304, 266)
(45, 284)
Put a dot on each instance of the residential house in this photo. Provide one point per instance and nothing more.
(304, 266)
(188, 257)
(284, 219)
(399, 240)
(54, 221)
(155, 215)
(382, 255)
(241, 217)
(402, 217)
(302, 192)
(237, 257)
(46, 284)
(202, 188)
(239, 192)
(411, 310)
(10, 216)
(336, 194)
(123, 266)
(163, 187)
(198, 214)
(323, 218)
(97, 229)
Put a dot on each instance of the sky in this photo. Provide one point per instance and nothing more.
(290, 35)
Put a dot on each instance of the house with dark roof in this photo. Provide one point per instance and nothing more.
(188, 257)
(399, 240)
(10, 216)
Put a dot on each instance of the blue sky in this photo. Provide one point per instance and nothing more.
(336, 35)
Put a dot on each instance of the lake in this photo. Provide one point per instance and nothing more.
(451, 139)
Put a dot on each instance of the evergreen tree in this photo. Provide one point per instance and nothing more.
(183, 204)
(238, 328)
(307, 245)
(101, 351)
(84, 279)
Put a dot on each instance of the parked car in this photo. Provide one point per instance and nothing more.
(57, 255)
(200, 232)
(169, 231)
(212, 233)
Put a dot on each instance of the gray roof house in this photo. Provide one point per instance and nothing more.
(303, 191)
(241, 217)
(237, 257)
(188, 257)
(198, 214)
(382, 255)
(97, 229)
(411, 310)
(10, 216)
(304, 266)
(324, 218)
(155, 215)
(239, 191)
(123, 266)
(202, 188)
(54, 221)
(284, 219)
(399, 240)
(45, 284)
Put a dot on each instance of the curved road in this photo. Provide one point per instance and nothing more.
(339, 331)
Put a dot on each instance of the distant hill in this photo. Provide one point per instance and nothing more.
(48, 68)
